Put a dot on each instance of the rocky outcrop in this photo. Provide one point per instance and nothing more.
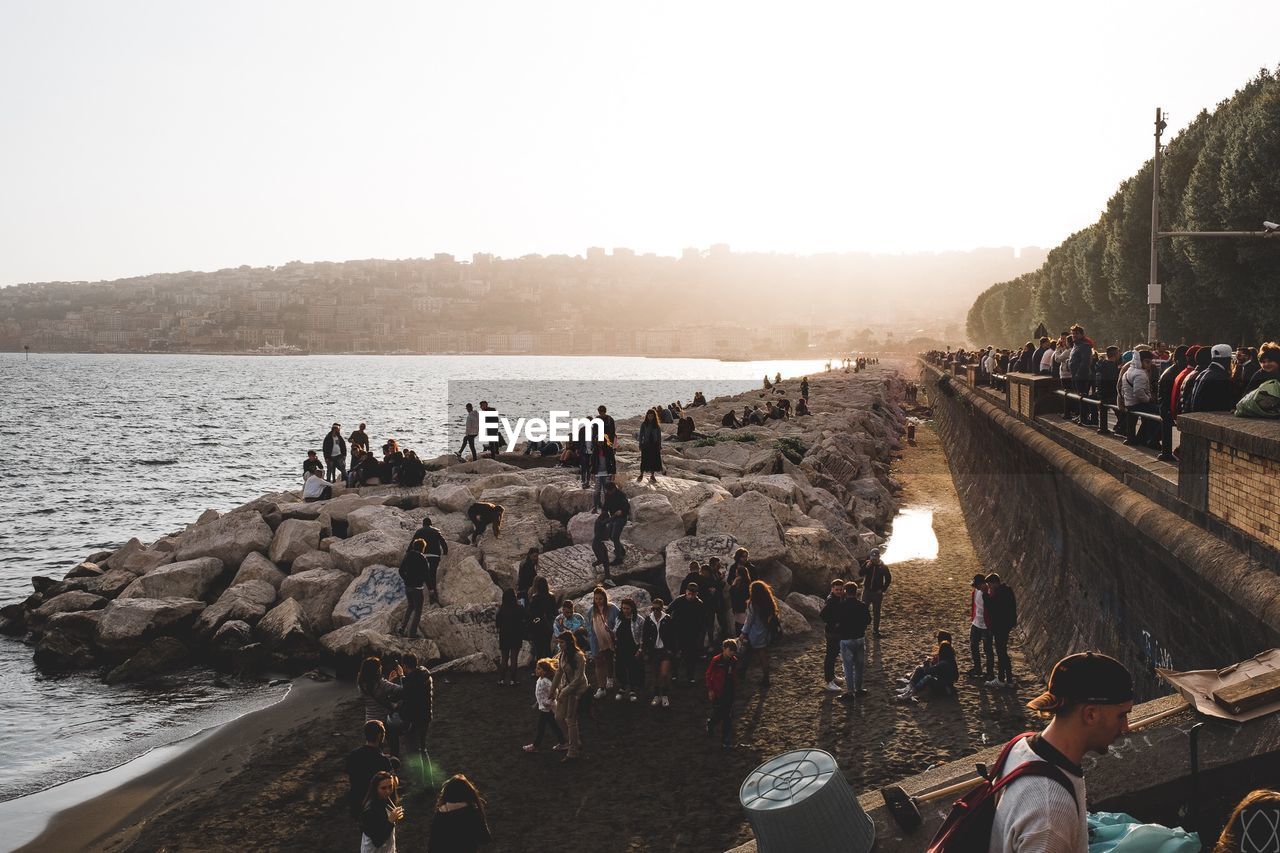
(465, 582)
(65, 603)
(229, 539)
(615, 595)
(452, 497)
(317, 592)
(129, 624)
(367, 518)
(808, 606)
(700, 548)
(69, 641)
(286, 631)
(654, 524)
(817, 558)
(749, 519)
(380, 546)
(569, 571)
(256, 567)
(162, 655)
(187, 579)
(293, 538)
(313, 560)
(377, 589)
(461, 631)
(375, 636)
(230, 638)
(246, 602)
(793, 623)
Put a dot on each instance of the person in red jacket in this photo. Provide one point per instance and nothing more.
(720, 684)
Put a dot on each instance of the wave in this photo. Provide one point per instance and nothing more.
(156, 462)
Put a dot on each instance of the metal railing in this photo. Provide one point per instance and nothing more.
(1102, 410)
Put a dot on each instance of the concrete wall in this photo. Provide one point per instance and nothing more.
(1095, 564)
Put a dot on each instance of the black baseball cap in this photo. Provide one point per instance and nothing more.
(1087, 678)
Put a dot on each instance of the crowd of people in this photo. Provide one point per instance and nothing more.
(1147, 386)
(321, 470)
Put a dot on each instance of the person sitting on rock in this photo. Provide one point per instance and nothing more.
(312, 464)
(482, 515)
(392, 459)
(612, 519)
(758, 416)
(775, 413)
(698, 399)
(730, 420)
(315, 487)
(412, 471)
(664, 414)
(940, 668)
(364, 468)
(684, 430)
(802, 407)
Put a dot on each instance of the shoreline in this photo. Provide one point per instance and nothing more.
(99, 810)
(691, 357)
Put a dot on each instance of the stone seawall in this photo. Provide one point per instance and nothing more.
(1095, 564)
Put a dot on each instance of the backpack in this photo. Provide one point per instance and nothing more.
(968, 825)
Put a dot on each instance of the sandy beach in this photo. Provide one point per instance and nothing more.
(650, 779)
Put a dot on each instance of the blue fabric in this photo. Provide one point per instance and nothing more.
(1116, 832)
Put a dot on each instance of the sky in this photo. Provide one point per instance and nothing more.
(142, 137)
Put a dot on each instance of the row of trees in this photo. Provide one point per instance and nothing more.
(1222, 173)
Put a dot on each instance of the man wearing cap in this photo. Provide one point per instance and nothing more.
(1002, 616)
(875, 583)
(335, 454)
(1089, 698)
(1212, 391)
(979, 631)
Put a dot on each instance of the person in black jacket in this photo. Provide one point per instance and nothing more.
(690, 615)
(525, 575)
(614, 514)
(739, 577)
(459, 824)
(510, 623)
(1165, 390)
(1212, 391)
(437, 548)
(1106, 375)
(335, 454)
(1001, 608)
(660, 643)
(417, 698)
(711, 591)
(482, 515)
(833, 610)
(312, 464)
(415, 571)
(382, 811)
(541, 616)
(629, 650)
(876, 578)
(363, 762)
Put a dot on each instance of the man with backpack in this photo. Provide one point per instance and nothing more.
(1035, 798)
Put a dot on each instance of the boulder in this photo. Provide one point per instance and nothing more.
(367, 518)
(523, 526)
(129, 624)
(569, 571)
(729, 452)
(452, 497)
(142, 561)
(208, 515)
(313, 560)
(378, 588)
(231, 637)
(338, 511)
(305, 510)
(162, 655)
(465, 582)
(68, 641)
(256, 567)
(229, 539)
(374, 636)
(498, 481)
(793, 623)
(316, 591)
(780, 487)
(476, 662)
(748, 518)
(246, 602)
(615, 595)
(87, 569)
(380, 547)
(293, 538)
(109, 584)
(700, 548)
(808, 606)
(66, 603)
(562, 501)
(463, 630)
(687, 496)
(582, 527)
(654, 524)
(777, 575)
(187, 579)
(121, 554)
(481, 467)
(817, 557)
(286, 630)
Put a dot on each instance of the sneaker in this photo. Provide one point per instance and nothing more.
(601, 693)
(634, 697)
(832, 687)
(904, 680)
(666, 701)
(608, 583)
(693, 681)
(528, 747)
(618, 697)
(708, 727)
(657, 700)
(560, 747)
(846, 697)
(862, 691)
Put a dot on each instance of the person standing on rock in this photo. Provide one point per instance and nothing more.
(471, 428)
(833, 610)
(650, 440)
(567, 687)
(759, 630)
(804, 387)
(437, 548)
(335, 454)
(601, 630)
(876, 578)
(358, 438)
(416, 572)
(482, 515)
(1002, 617)
(979, 632)
(690, 615)
(660, 642)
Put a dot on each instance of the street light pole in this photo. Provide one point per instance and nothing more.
(1153, 287)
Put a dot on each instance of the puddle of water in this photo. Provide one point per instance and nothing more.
(911, 537)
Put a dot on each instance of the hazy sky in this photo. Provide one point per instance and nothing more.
(161, 136)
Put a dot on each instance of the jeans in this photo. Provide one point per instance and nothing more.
(333, 465)
(611, 529)
(874, 600)
(722, 713)
(468, 441)
(691, 651)
(1005, 671)
(412, 615)
(547, 720)
(601, 479)
(829, 662)
(853, 655)
(979, 641)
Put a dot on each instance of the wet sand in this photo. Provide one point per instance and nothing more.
(650, 779)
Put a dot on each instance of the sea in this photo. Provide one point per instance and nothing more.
(102, 448)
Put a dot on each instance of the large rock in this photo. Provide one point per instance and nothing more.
(286, 630)
(780, 487)
(337, 512)
(256, 567)
(68, 641)
(748, 518)
(562, 501)
(808, 606)
(130, 623)
(245, 602)
(687, 496)
(378, 588)
(793, 623)
(569, 571)
(465, 582)
(777, 575)
(374, 636)
(463, 630)
(654, 524)
(582, 527)
(317, 591)
(452, 497)
(498, 481)
(305, 510)
(293, 538)
(66, 603)
(313, 560)
(231, 637)
(162, 655)
(367, 518)
(187, 579)
(523, 526)
(382, 547)
(701, 548)
(109, 584)
(120, 556)
(142, 561)
(615, 595)
(229, 539)
(817, 558)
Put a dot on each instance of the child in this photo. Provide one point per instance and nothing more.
(720, 684)
(546, 708)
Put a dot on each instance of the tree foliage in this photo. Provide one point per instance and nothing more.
(1221, 173)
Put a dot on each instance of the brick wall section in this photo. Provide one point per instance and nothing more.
(1242, 491)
